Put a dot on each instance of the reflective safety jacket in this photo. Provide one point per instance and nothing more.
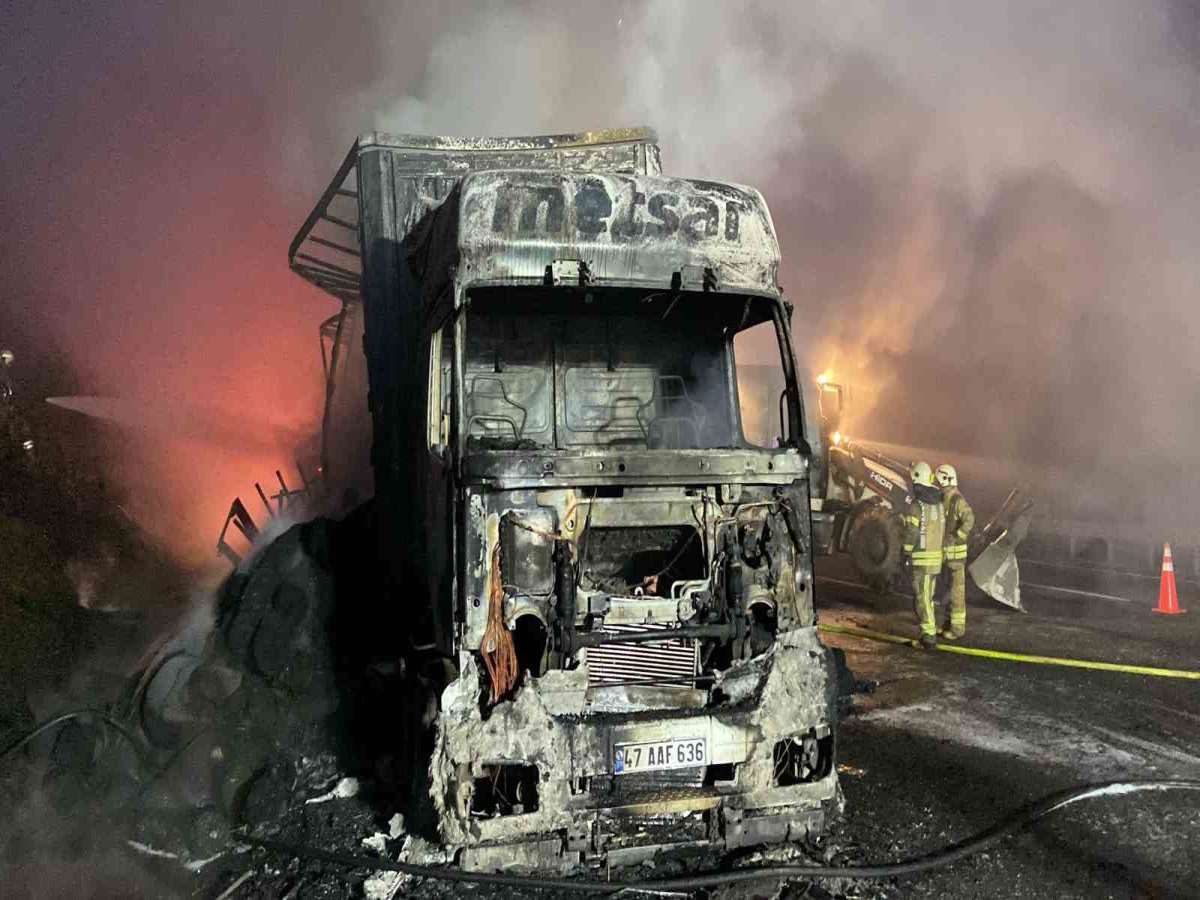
(960, 519)
(924, 527)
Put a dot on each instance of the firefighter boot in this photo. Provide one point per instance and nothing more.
(956, 614)
(923, 583)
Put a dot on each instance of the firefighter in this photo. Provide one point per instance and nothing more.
(924, 526)
(8, 407)
(960, 519)
(14, 431)
(6, 386)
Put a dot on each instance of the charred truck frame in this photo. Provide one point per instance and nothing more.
(609, 587)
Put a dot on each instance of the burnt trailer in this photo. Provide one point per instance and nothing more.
(607, 587)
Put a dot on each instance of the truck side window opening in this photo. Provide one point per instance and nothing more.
(441, 364)
(611, 367)
(760, 377)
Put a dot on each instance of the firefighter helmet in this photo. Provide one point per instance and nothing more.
(6, 357)
(921, 473)
(946, 475)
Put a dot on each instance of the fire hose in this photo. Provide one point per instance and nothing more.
(94, 715)
(1095, 665)
(1015, 822)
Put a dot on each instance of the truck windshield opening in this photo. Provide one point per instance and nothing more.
(570, 368)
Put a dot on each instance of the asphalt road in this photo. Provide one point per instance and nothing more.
(946, 744)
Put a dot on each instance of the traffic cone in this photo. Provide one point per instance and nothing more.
(1168, 597)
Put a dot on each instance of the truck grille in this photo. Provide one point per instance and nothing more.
(645, 786)
(676, 661)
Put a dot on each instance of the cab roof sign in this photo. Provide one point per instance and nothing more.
(627, 228)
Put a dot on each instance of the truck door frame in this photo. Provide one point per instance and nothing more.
(439, 516)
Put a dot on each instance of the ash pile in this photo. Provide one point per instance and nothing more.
(267, 710)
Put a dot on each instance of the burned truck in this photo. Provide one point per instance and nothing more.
(606, 587)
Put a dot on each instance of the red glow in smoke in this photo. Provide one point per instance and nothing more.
(212, 343)
(238, 338)
(153, 179)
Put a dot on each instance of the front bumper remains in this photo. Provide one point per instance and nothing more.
(530, 784)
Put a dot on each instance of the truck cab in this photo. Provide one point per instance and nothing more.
(607, 575)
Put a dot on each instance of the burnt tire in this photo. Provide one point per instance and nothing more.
(274, 626)
(275, 620)
(876, 545)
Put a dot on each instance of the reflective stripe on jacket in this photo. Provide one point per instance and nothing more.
(924, 526)
(960, 519)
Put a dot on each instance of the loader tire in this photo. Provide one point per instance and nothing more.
(875, 545)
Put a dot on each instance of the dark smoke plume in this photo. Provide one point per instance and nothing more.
(986, 209)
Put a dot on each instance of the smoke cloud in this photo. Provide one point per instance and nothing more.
(987, 210)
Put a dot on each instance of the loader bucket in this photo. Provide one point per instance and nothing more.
(995, 572)
(994, 568)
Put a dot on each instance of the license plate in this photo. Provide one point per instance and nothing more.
(657, 755)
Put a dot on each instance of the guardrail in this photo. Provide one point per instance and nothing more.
(1100, 548)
